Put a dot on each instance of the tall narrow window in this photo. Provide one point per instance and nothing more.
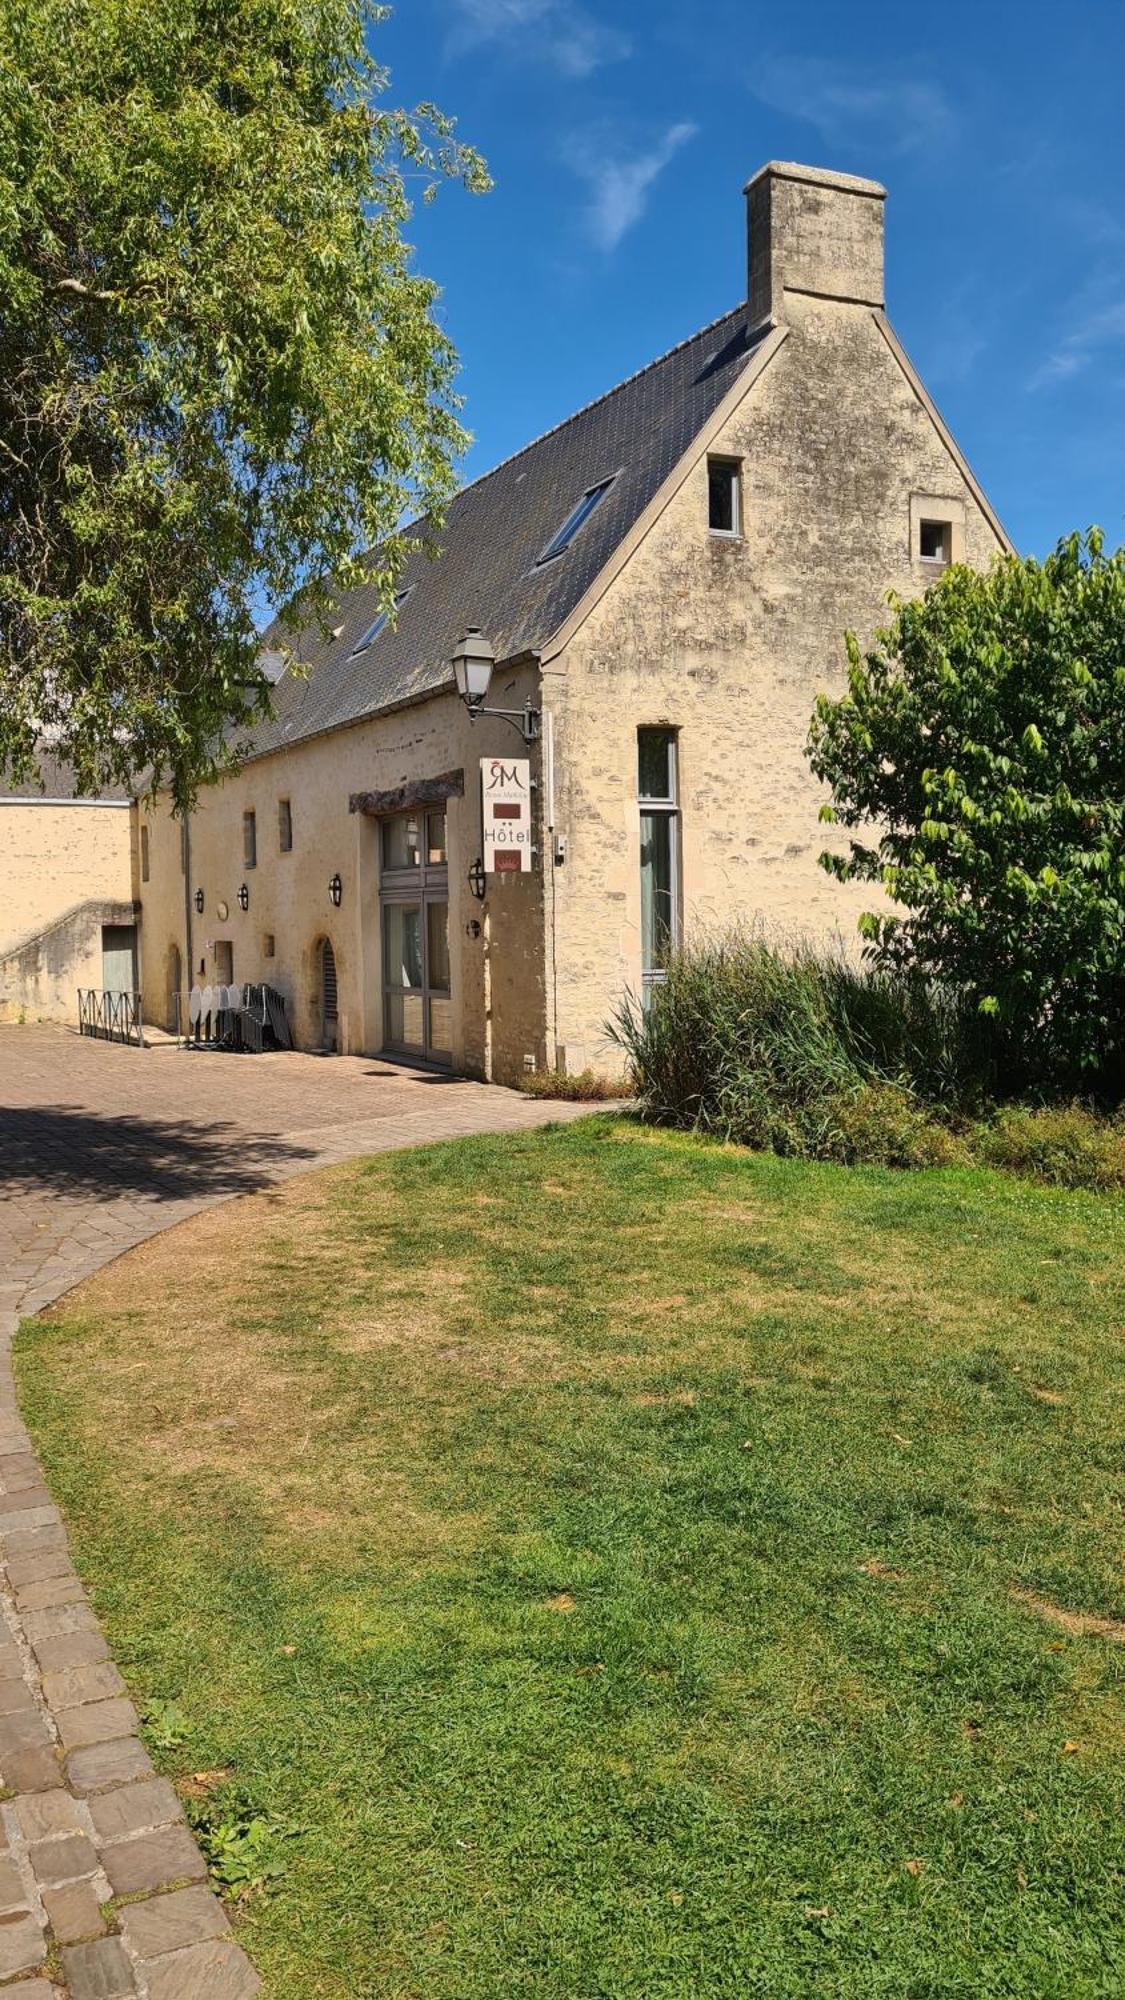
(249, 840)
(284, 826)
(657, 790)
(723, 509)
(144, 854)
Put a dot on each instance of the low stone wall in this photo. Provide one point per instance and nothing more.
(40, 974)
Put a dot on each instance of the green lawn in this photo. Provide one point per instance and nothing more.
(608, 1548)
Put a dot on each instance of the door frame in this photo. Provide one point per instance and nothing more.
(119, 950)
(423, 885)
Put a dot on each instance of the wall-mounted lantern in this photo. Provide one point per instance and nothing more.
(244, 898)
(199, 901)
(472, 670)
(477, 881)
(336, 891)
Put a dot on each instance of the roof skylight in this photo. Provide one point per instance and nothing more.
(576, 519)
(377, 624)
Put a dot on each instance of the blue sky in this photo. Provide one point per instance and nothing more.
(620, 134)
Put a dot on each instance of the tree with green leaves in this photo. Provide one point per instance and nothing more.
(981, 744)
(221, 380)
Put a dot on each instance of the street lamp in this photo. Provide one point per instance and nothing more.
(244, 898)
(336, 891)
(472, 670)
(199, 901)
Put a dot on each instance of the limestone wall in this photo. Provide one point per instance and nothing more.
(497, 978)
(62, 864)
(729, 642)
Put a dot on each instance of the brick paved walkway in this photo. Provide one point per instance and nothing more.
(102, 1887)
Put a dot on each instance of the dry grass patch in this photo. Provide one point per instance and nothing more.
(1079, 1624)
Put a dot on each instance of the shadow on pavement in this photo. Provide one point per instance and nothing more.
(417, 1075)
(65, 1149)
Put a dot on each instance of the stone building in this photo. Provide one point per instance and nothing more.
(68, 914)
(663, 581)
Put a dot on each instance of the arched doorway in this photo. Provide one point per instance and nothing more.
(175, 1018)
(329, 1002)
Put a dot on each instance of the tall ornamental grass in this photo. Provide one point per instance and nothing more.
(801, 1051)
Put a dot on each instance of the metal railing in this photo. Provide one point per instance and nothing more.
(110, 1017)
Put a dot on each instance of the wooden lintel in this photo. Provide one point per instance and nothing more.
(420, 792)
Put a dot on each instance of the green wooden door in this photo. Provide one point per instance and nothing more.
(119, 958)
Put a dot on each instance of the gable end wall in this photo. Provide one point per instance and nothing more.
(729, 642)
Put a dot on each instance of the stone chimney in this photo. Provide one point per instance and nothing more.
(813, 232)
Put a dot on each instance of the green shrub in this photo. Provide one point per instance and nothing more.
(977, 758)
(884, 1125)
(1067, 1145)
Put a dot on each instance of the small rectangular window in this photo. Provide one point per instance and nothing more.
(576, 519)
(268, 945)
(249, 840)
(285, 826)
(144, 854)
(934, 541)
(723, 509)
(402, 841)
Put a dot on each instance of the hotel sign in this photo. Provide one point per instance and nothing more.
(506, 803)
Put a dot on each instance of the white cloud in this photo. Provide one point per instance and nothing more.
(895, 111)
(552, 31)
(1101, 328)
(620, 183)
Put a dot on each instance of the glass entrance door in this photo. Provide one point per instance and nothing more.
(418, 1015)
(417, 1003)
(404, 976)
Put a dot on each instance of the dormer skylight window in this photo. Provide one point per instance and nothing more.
(377, 624)
(576, 519)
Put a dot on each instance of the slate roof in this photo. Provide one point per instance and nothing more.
(56, 781)
(495, 529)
